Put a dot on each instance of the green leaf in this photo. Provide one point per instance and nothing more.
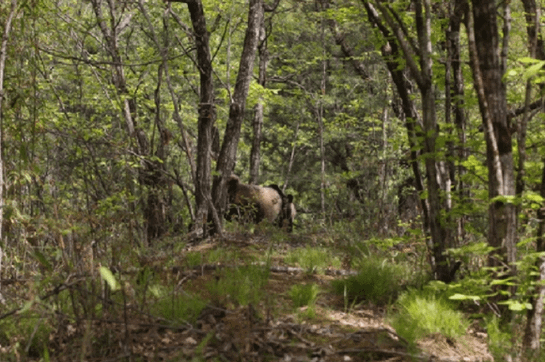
(528, 60)
(42, 260)
(517, 306)
(26, 307)
(459, 296)
(534, 70)
(108, 276)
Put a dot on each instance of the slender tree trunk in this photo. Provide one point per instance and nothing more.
(534, 316)
(292, 157)
(532, 333)
(320, 111)
(226, 159)
(391, 53)
(439, 235)
(207, 117)
(459, 11)
(257, 124)
(488, 70)
(320, 119)
(163, 132)
(3, 57)
(151, 173)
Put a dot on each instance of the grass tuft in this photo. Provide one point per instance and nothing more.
(180, 309)
(304, 295)
(420, 314)
(377, 281)
(243, 285)
(311, 259)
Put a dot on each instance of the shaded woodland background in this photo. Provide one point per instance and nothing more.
(405, 121)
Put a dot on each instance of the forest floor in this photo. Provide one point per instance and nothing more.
(272, 330)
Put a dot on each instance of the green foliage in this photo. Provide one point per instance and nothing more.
(472, 255)
(534, 69)
(378, 281)
(194, 259)
(27, 334)
(304, 295)
(241, 285)
(108, 276)
(419, 314)
(77, 179)
(304, 298)
(222, 255)
(312, 259)
(179, 308)
(500, 341)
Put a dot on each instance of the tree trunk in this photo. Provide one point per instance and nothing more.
(3, 57)
(488, 70)
(534, 316)
(151, 173)
(391, 53)
(226, 159)
(207, 116)
(255, 154)
(456, 15)
(163, 131)
(439, 235)
(320, 119)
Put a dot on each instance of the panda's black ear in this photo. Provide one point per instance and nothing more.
(290, 198)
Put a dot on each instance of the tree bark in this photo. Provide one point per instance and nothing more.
(164, 133)
(257, 124)
(226, 159)
(151, 173)
(391, 53)
(439, 235)
(488, 70)
(207, 117)
(534, 316)
(3, 57)
(456, 15)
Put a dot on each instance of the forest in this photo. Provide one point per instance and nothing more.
(403, 138)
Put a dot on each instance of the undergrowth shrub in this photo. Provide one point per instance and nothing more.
(499, 341)
(312, 258)
(241, 285)
(27, 334)
(179, 309)
(221, 254)
(304, 295)
(377, 281)
(420, 313)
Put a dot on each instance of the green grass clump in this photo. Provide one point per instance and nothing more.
(179, 309)
(25, 335)
(304, 295)
(194, 258)
(243, 285)
(222, 255)
(377, 281)
(500, 340)
(311, 259)
(420, 314)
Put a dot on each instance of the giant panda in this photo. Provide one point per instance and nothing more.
(253, 203)
(288, 211)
